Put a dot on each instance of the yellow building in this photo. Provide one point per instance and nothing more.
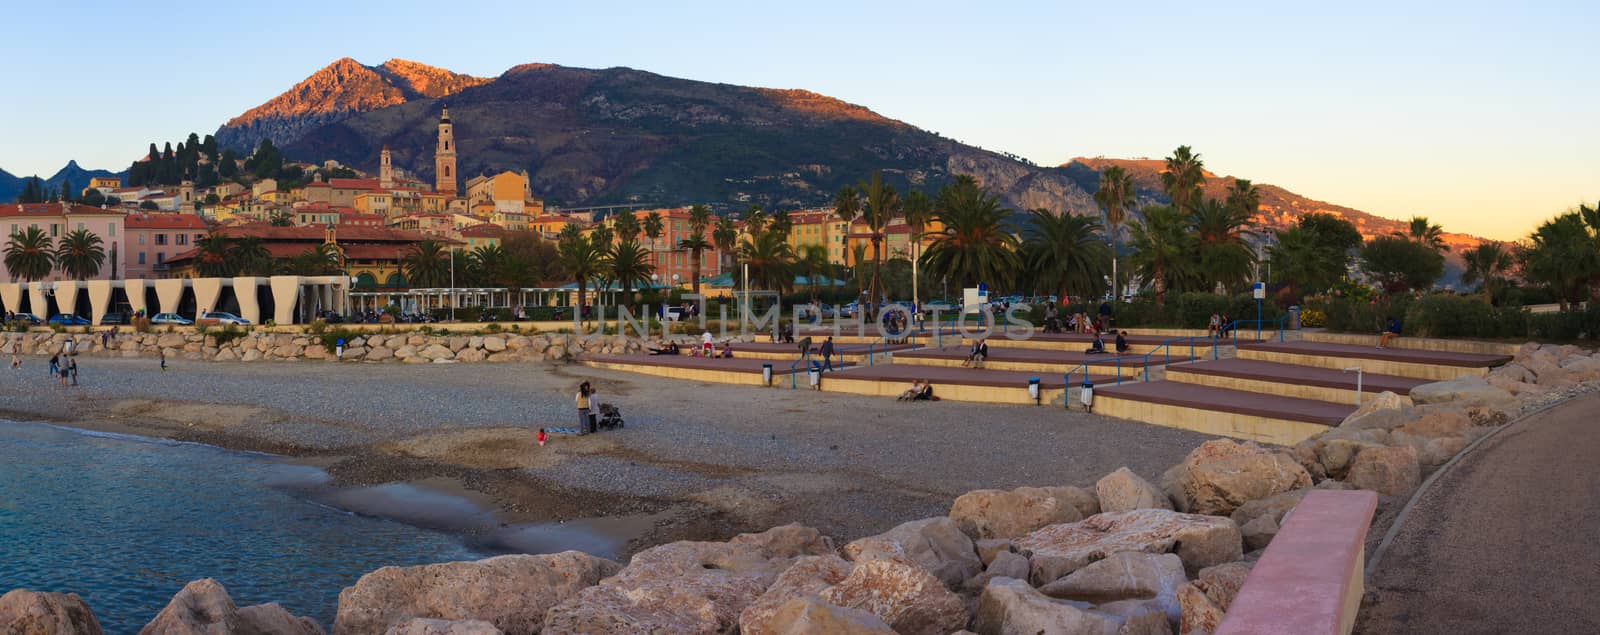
(511, 221)
(818, 228)
(548, 226)
(373, 202)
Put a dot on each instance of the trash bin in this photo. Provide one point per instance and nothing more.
(815, 375)
(1294, 318)
(1033, 389)
(766, 374)
(1086, 395)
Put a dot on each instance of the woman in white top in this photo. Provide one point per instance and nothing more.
(705, 343)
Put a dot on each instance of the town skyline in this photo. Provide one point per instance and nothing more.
(1379, 126)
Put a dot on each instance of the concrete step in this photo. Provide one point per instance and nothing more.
(1221, 411)
(956, 384)
(1419, 364)
(1030, 360)
(1289, 380)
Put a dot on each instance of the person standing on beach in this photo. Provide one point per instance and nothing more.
(16, 354)
(827, 353)
(585, 399)
(541, 437)
(55, 365)
(72, 367)
(163, 360)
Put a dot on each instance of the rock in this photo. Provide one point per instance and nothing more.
(379, 353)
(679, 587)
(1274, 507)
(436, 352)
(24, 612)
(1464, 388)
(1200, 614)
(1010, 606)
(811, 616)
(511, 592)
(1516, 387)
(1143, 617)
(250, 355)
(470, 355)
(316, 352)
(287, 351)
(494, 344)
(171, 340)
(518, 342)
(226, 355)
(1336, 453)
(1123, 490)
(203, 607)
(807, 577)
(1005, 565)
(935, 544)
(1582, 368)
(1385, 400)
(1391, 471)
(1221, 583)
(1220, 475)
(788, 541)
(989, 548)
(992, 513)
(1126, 575)
(907, 597)
(1513, 372)
(1259, 532)
(1437, 422)
(425, 626)
(1200, 541)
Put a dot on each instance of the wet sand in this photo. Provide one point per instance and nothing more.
(696, 460)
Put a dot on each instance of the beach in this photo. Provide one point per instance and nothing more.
(696, 461)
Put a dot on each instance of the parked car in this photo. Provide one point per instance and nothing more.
(68, 319)
(27, 318)
(330, 317)
(222, 318)
(170, 318)
(849, 310)
(938, 305)
(114, 317)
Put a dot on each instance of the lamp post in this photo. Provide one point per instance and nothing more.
(452, 285)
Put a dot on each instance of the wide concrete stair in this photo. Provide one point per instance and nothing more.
(1421, 364)
(1290, 380)
(1036, 361)
(1221, 411)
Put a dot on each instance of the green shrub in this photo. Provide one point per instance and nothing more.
(330, 339)
(227, 334)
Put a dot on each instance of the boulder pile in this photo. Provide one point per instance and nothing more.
(409, 348)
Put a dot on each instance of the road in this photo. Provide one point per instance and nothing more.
(1504, 542)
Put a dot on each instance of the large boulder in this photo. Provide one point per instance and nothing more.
(1379, 406)
(1009, 606)
(1274, 507)
(788, 541)
(1123, 490)
(1200, 541)
(993, 513)
(1128, 575)
(1004, 565)
(24, 612)
(680, 587)
(511, 592)
(425, 626)
(1437, 423)
(1142, 617)
(908, 598)
(936, 544)
(811, 616)
(203, 607)
(1200, 614)
(1391, 471)
(1466, 388)
(1220, 475)
(1221, 583)
(807, 577)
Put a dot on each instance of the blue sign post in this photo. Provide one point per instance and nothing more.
(1260, 292)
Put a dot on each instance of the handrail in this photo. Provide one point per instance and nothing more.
(804, 357)
(1278, 323)
(1166, 347)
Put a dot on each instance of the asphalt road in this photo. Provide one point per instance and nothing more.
(1504, 542)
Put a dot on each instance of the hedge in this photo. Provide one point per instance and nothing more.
(1449, 315)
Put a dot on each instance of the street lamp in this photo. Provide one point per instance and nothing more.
(452, 285)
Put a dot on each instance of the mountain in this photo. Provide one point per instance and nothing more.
(339, 90)
(11, 186)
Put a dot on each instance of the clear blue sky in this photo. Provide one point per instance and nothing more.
(1480, 115)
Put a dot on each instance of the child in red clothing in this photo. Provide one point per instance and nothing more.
(541, 437)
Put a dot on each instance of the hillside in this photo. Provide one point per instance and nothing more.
(11, 186)
(339, 90)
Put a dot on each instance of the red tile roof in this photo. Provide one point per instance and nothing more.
(54, 209)
(314, 233)
(165, 221)
(484, 230)
(354, 184)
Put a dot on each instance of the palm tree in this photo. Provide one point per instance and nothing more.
(771, 260)
(581, 259)
(781, 223)
(974, 245)
(1063, 253)
(814, 261)
(1222, 240)
(250, 257)
(695, 242)
(425, 266)
(1561, 255)
(882, 205)
(626, 225)
(1183, 177)
(1243, 196)
(79, 255)
(628, 263)
(1115, 195)
(1420, 230)
(918, 213)
(29, 256)
(320, 260)
(215, 257)
(1304, 263)
(755, 220)
(725, 236)
(847, 206)
(1162, 248)
(652, 226)
(1489, 263)
(491, 265)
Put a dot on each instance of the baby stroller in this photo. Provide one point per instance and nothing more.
(610, 417)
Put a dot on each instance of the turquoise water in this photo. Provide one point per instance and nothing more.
(125, 522)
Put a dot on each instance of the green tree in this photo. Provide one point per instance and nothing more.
(695, 242)
(755, 220)
(771, 260)
(29, 255)
(1222, 242)
(1243, 197)
(1184, 175)
(250, 257)
(1162, 250)
(94, 198)
(32, 191)
(625, 226)
(975, 243)
(281, 219)
(67, 195)
(918, 212)
(228, 164)
(1115, 195)
(1490, 264)
(1562, 255)
(1421, 231)
(847, 206)
(79, 255)
(320, 260)
(725, 237)
(427, 265)
(1064, 253)
(1398, 264)
(581, 259)
(628, 263)
(882, 205)
(781, 223)
(653, 226)
(214, 257)
(813, 261)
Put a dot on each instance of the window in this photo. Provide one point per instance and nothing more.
(111, 230)
(80, 226)
(141, 257)
(141, 238)
(161, 257)
(161, 239)
(55, 229)
(183, 239)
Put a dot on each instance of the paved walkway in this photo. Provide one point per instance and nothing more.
(1505, 542)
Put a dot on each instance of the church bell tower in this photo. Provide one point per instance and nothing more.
(444, 157)
(385, 169)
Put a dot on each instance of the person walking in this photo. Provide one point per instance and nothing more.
(163, 360)
(72, 367)
(541, 437)
(16, 354)
(705, 344)
(827, 353)
(55, 365)
(585, 400)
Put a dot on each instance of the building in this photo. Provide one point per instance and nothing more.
(819, 228)
(106, 185)
(674, 265)
(352, 217)
(343, 191)
(372, 202)
(484, 235)
(153, 239)
(503, 192)
(372, 256)
(444, 157)
(431, 225)
(57, 220)
(385, 169)
(318, 214)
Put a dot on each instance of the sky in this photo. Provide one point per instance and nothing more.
(1483, 116)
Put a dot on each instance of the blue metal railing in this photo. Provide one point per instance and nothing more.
(1166, 349)
(804, 357)
(1277, 324)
